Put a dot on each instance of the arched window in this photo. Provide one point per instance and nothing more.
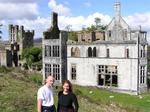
(77, 52)
(94, 52)
(89, 52)
(72, 51)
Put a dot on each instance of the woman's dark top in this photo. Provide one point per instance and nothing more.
(67, 101)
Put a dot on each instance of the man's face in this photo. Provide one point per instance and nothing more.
(50, 81)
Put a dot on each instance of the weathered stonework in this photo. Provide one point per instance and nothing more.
(53, 32)
(118, 63)
(55, 52)
(90, 36)
(19, 39)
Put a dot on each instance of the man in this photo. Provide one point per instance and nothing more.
(45, 100)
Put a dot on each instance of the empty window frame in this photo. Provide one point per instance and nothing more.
(94, 52)
(72, 51)
(142, 74)
(56, 71)
(143, 52)
(107, 75)
(73, 72)
(89, 52)
(77, 52)
(56, 51)
(107, 53)
(47, 69)
(127, 53)
(109, 33)
(47, 51)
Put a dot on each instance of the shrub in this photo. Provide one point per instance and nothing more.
(36, 78)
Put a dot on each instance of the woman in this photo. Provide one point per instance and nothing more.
(67, 100)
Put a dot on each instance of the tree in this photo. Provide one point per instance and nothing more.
(96, 27)
(68, 28)
(99, 26)
(73, 36)
(97, 22)
(31, 55)
(92, 28)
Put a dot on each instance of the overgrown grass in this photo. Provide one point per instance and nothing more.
(4, 69)
(18, 92)
(128, 102)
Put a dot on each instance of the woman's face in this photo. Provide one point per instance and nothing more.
(66, 87)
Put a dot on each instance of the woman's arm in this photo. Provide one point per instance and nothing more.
(75, 101)
(58, 106)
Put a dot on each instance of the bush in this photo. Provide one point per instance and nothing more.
(36, 78)
(25, 66)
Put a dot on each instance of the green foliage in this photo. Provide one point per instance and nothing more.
(92, 28)
(96, 27)
(4, 69)
(32, 55)
(36, 78)
(17, 95)
(73, 36)
(127, 102)
(37, 65)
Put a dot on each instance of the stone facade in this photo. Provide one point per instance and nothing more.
(54, 52)
(117, 60)
(118, 63)
(90, 36)
(19, 39)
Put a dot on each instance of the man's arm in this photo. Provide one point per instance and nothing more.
(39, 105)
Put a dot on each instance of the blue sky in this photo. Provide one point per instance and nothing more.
(35, 14)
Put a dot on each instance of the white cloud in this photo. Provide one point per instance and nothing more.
(80, 21)
(59, 8)
(87, 4)
(142, 20)
(18, 11)
(41, 24)
(139, 19)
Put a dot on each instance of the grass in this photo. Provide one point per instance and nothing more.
(127, 102)
(18, 92)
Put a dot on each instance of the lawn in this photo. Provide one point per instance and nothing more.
(130, 103)
(18, 94)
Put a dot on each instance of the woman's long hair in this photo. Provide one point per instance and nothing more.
(69, 83)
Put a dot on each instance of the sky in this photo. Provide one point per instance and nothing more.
(36, 14)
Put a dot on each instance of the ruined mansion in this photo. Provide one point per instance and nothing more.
(115, 59)
(10, 51)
